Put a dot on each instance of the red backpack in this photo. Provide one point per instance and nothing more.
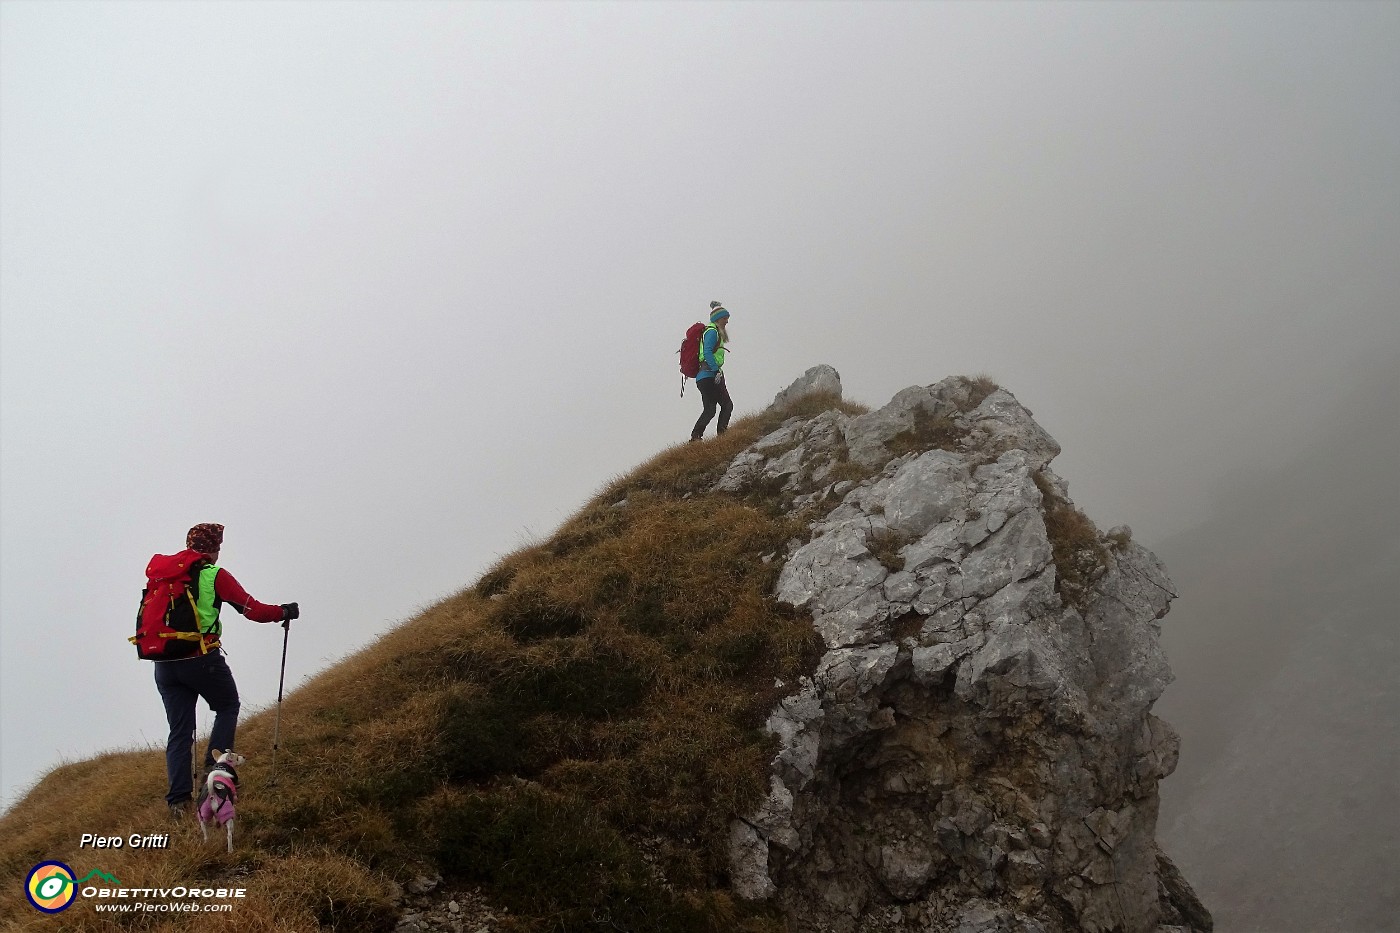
(167, 624)
(690, 353)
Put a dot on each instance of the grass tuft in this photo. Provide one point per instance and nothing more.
(1080, 555)
(929, 431)
(530, 612)
(980, 386)
(885, 544)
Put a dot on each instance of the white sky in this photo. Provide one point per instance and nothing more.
(391, 289)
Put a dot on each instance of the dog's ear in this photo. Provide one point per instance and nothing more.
(215, 754)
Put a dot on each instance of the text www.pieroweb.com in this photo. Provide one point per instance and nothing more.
(146, 907)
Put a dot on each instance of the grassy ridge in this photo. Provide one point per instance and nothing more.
(572, 733)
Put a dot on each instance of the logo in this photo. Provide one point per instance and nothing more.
(50, 887)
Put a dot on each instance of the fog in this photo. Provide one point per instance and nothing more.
(389, 290)
(1286, 644)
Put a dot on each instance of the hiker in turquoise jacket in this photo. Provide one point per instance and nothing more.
(710, 379)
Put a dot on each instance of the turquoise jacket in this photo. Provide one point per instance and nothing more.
(712, 348)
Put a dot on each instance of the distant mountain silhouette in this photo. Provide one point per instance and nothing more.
(1286, 647)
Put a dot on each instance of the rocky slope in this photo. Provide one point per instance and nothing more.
(976, 751)
(956, 672)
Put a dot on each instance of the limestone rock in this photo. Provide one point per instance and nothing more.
(819, 379)
(926, 491)
(976, 750)
(1000, 424)
(799, 451)
(868, 435)
(1180, 906)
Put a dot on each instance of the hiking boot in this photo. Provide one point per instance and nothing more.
(696, 440)
(178, 811)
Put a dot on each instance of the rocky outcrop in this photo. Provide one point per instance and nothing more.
(976, 750)
(819, 380)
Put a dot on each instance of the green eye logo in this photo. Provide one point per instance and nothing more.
(50, 887)
(54, 885)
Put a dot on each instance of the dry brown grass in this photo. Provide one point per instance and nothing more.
(849, 471)
(1119, 539)
(593, 698)
(885, 545)
(942, 431)
(981, 385)
(1080, 555)
(300, 889)
(928, 431)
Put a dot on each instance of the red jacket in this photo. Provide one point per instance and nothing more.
(226, 588)
(231, 592)
(168, 583)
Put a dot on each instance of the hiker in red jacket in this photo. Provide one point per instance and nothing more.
(179, 629)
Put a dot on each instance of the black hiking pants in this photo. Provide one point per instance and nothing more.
(713, 392)
(181, 684)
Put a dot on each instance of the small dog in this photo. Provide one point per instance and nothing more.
(220, 793)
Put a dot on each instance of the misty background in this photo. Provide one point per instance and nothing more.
(390, 290)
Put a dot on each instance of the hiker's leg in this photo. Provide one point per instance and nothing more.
(710, 397)
(221, 693)
(179, 703)
(726, 408)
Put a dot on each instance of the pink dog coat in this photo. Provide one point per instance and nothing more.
(217, 806)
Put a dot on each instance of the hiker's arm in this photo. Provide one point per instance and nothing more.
(707, 351)
(229, 590)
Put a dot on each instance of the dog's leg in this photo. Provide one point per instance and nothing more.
(229, 826)
(203, 826)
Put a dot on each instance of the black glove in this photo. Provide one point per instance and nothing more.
(290, 612)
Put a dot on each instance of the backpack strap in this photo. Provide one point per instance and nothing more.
(203, 602)
(200, 637)
(192, 636)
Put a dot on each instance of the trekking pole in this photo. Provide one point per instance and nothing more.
(281, 680)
